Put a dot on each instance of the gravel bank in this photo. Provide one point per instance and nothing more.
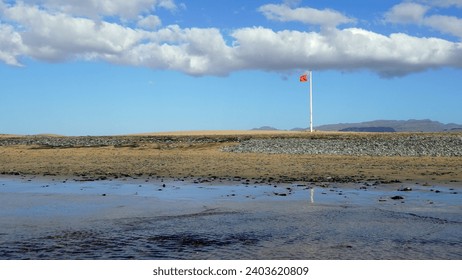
(412, 145)
(105, 141)
(400, 145)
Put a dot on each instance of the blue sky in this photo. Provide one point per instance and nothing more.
(92, 67)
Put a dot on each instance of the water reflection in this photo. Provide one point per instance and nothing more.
(147, 220)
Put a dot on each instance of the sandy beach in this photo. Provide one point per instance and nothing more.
(231, 195)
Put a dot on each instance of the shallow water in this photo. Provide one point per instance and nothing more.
(45, 219)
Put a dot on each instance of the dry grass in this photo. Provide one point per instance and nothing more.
(207, 160)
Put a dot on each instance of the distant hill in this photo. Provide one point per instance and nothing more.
(384, 126)
(265, 128)
(392, 125)
(369, 129)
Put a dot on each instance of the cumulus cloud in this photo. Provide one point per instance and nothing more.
(292, 3)
(149, 22)
(348, 49)
(414, 13)
(97, 8)
(59, 36)
(406, 13)
(326, 17)
(196, 51)
(446, 24)
(50, 34)
(442, 3)
(11, 45)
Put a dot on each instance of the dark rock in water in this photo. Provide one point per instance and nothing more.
(280, 194)
(406, 189)
(397, 197)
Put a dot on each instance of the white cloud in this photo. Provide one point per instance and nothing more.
(306, 15)
(96, 8)
(348, 49)
(149, 22)
(194, 51)
(413, 13)
(59, 36)
(54, 35)
(168, 4)
(11, 45)
(292, 3)
(446, 24)
(442, 3)
(406, 13)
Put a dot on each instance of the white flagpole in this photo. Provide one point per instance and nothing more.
(311, 101)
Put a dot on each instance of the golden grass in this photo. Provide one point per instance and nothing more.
(206, 160)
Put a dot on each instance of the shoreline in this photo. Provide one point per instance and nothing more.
(216, 181)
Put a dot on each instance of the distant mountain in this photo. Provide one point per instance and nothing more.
(384, 126)
(369, 129)
(392, 125)
(299, 129)
(265, 128)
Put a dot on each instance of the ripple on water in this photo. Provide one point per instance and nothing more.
(355, 225)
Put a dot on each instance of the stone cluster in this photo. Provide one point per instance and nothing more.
(400, 145)
(103, 141)
(413, 145)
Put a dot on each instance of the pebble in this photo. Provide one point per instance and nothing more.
(449, 145)
(104, 141)
(400, 145)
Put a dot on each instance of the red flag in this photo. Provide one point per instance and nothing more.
(304, 78)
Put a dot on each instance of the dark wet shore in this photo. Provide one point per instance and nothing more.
(171, 219)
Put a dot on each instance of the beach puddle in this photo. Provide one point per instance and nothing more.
(168, 219)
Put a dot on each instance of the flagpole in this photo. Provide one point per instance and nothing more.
(311, 101)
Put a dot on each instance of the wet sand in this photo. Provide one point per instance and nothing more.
(168, 219)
